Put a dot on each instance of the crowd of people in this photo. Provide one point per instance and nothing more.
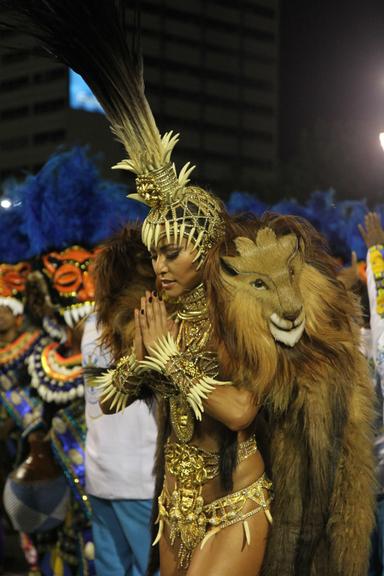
(192, 396)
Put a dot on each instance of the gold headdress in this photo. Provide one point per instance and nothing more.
(178, 210)
(100, 52)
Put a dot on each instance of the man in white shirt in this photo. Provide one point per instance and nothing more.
(120, 451)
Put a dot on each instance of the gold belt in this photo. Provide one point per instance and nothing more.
(184, 510)
(194, 523)
(190, 464)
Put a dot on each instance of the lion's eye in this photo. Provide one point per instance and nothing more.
(259, 284)
(228, 269)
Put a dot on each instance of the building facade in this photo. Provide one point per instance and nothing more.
(211, 71)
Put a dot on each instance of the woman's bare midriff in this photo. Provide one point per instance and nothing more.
(206, 436)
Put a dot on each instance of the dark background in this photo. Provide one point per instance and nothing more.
(332, 98)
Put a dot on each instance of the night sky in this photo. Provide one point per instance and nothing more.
(332, 74)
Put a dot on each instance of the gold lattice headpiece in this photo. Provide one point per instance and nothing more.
(194, 215)
(178, 210)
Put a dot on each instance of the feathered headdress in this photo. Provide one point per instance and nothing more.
(336, 220)
(67, 203)
(67, 211)
(92, 40)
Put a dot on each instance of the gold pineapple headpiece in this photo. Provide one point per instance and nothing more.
(178, 210)
(106, 52)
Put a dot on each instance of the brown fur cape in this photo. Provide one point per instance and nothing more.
(318, 400)
(123, 272)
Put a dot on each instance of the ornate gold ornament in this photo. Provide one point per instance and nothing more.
(182, 419)
(186, 362)
(121, 384)
(124, 383)
(191, 520)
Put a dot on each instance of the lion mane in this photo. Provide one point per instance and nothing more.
(123, 272)
(317, 398)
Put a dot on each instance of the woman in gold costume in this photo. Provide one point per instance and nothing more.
(199, 498)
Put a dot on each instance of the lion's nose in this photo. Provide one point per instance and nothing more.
(292, 316)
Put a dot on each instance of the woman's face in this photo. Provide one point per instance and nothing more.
(174, 267)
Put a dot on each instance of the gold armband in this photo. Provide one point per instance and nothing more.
(122, 383)
(192, 375)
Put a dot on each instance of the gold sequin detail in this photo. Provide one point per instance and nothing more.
(184, 511)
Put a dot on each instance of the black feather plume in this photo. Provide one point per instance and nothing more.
(93, 38)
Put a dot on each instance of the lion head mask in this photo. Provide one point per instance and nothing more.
(276, 306)
(266, 274)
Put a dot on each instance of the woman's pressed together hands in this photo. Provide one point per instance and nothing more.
(151, 323)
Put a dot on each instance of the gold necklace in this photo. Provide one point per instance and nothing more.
(193, 304)
(194, 327)
(193, 335)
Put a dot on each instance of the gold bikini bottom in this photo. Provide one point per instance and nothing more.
(191, 520)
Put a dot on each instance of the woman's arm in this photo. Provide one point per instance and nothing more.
(193, 375)
(119, 387)
(235, 408)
